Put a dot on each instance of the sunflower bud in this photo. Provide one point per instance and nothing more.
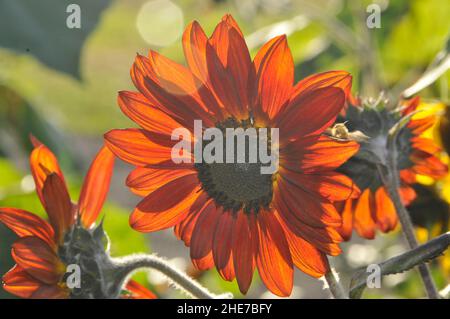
(374, 120)
(89, 250)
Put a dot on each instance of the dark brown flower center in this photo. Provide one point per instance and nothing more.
(236, 186)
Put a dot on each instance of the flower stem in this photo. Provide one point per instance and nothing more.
(128, 265)
(391, 179)
(334, 285)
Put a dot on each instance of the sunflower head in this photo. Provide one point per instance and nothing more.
(238, 185)
(415, 155)
(231, 214)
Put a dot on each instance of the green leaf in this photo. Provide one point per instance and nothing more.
(401, 263)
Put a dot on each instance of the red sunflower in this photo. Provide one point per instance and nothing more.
(40, 267)
(231, 215)
(417, 155)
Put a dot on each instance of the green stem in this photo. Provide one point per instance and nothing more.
(334, 285)
(391, 179)
(127, 265)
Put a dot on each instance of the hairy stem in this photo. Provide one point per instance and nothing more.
(391, 179)
(334, 285)
(127, 265)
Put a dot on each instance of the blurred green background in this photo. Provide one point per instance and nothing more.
(61, 85)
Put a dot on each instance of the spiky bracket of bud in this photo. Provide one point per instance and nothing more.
(103, 277)
(89, 249)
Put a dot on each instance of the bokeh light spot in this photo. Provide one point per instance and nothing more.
(160, 22)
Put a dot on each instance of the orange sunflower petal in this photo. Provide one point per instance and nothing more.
(24, 224)
(143, 180)
(37, 258)
(18, 282)
(418, 126)
(134, 146)
(59, 206)
(363, 220)
(385, 213)
(137, 291)
(222, 83)
(307, 257)
(324, 238)
(228, 18)
(339, 79)
(330, 185)
(194, 46)
(346, 209)
(184, 229)
(324, 155)
(166, 206)
(411, 105)
(197, 98)
(222, 245)
(232, 51)
(139, 109)
(429, 165)
(202, 237)
(408, 176)
(273, 258)
(244, 248)
(173, 89)
(425, 144)
(96, 186)
(311, 113)
(311, 210)
(43, 162)
(407, 194)
(274, 67)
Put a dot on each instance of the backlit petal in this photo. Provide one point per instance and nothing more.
(134, 147)
(39, 260)
(59, 206)
(24, 224)
(274, 259)
(222, 244)
(311, 113)
(18, 282)
(96, 186)
(166, 206)
(274, 67)
(139, 109)
(363, 220)
(244, 247)
(143, 180)
(202, 236)
(43, 162)
(137, 291)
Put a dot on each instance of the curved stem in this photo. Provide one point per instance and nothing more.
(128, 265)
(391, 179)
(334, 285)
